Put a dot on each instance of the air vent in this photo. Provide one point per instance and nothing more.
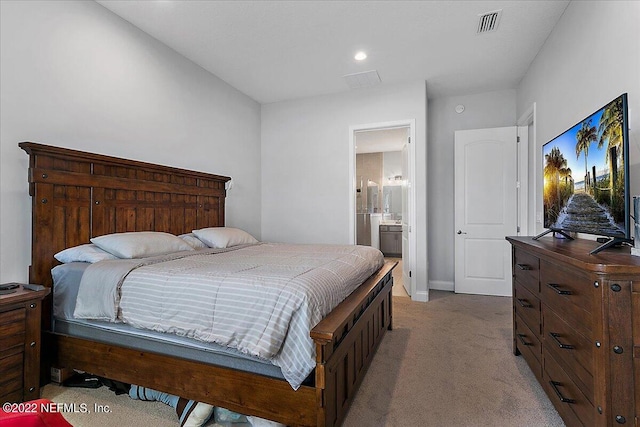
(489, 21)
(364, 79)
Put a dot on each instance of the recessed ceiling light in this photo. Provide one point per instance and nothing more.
(360, 56)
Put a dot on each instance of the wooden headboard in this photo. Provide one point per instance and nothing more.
(78, 195)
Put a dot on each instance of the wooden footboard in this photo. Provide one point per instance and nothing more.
(346, 341)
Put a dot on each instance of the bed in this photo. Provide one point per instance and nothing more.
(78, 195)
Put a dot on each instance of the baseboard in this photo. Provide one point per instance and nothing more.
(441, 285)
(420, 296)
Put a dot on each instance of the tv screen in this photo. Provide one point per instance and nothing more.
(586, 175)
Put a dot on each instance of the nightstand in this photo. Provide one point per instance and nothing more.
(20, 337)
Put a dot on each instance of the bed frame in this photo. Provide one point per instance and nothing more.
(78, 195)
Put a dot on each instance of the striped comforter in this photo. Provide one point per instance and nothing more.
(261, 299)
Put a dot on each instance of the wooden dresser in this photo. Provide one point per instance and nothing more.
(576, 321)
(20, 337)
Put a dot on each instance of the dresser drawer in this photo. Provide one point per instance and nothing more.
(12, 322)
(526, 268)
(529, 346)
(568, 293)
(566, 396)
(11, 345)
(527, 306)
(11, 368)
(12, 332)
(572, 350)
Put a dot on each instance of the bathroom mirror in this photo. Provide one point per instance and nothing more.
(392, 199)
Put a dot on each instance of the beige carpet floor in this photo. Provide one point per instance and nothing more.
(446, 363)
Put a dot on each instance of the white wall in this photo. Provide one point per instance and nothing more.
(484, 110)
(305, 163)
(391, 165)
(591, 57)
(75, 75)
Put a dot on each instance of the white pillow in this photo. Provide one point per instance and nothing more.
(224, 237)
(193, 241)
(140, 244)
(83, 253)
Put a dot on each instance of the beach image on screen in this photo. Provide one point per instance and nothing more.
(584, 183)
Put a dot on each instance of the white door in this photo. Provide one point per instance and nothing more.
(406, 217)
(485, 209)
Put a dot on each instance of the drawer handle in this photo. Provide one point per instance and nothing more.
(555, 336)
(524, 303)
(521, 336)
(523, 266)
(554, 385)
(558, 290)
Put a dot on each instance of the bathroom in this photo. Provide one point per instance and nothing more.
(378, 197)
(379, 191)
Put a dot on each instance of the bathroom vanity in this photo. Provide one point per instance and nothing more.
(391, 239)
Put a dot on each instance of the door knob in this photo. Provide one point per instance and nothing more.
(461, 232)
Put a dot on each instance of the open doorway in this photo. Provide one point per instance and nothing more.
(382, 197)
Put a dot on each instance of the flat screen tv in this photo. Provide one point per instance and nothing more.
(586, 177)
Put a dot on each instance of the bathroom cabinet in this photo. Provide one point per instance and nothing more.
(391, 240)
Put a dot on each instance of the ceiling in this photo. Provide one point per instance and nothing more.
(381, 140)
(280, 50)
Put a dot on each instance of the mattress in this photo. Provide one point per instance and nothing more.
(66, 279)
